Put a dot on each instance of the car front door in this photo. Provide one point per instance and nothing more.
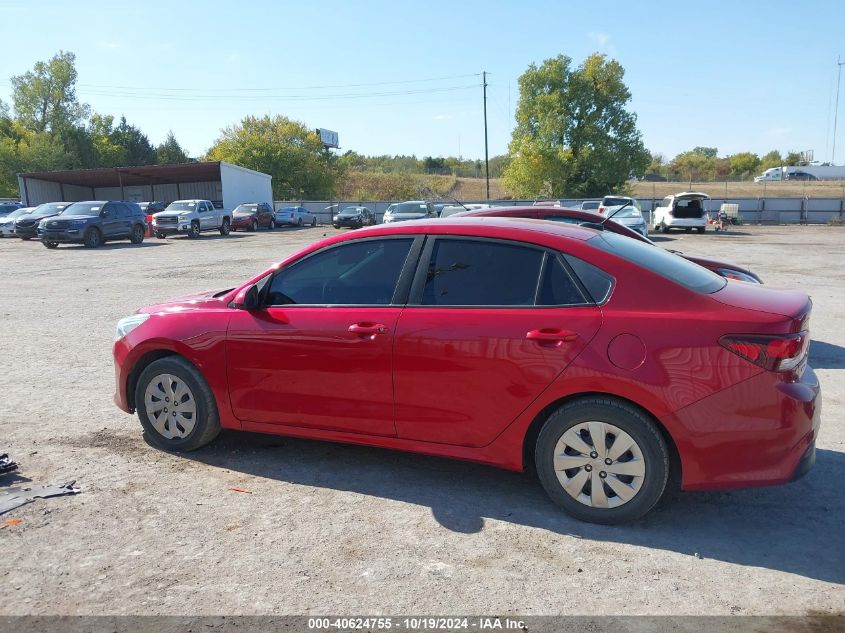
(319, 353)
(206, 216)
(489, 325)
(113, 217)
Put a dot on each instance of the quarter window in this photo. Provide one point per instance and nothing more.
(357, 273)
(481, 273)
(557, 287)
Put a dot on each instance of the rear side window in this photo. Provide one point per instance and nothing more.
(672, 267)
(481, 273)
(357, 273)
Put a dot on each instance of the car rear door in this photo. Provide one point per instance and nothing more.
(113, 219)
(320, 353)
(477, 344)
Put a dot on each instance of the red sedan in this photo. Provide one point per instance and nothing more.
(605, 363)
(576, 216)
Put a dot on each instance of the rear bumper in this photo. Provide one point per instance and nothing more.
(685, 222)
(759, 432)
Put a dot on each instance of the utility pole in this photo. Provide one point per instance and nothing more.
(486, 155)
(840, 64)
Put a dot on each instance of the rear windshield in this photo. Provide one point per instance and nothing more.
(590, 205)
(615, 202)
(666, 264)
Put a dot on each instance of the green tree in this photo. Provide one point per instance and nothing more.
(574, 135)
(744, 164)
(707, 152)
(792, 159)
(772, 159)
(696, 164)
(170, 152)
(44, 98)
(139, 150)
(287, 150)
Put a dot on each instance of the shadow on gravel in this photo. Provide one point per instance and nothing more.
(826, 355)
(114, 246)
(796, 528)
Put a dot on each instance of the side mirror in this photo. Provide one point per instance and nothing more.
(246, 299)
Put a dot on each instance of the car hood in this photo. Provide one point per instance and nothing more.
(169, 214)
(202, 300)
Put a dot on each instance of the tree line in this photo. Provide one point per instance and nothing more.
(574, 136)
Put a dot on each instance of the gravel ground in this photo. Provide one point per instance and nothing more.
(327, 528)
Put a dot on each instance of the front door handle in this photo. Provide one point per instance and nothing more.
(367, 329)
(551, 335)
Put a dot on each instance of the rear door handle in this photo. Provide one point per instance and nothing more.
(367, 328)
(551, 335)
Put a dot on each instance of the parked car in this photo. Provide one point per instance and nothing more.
(191, 217)
(411, 210)
(251, 216)
(295, 216)
(26, 226)
(354, 218)
(728, 270)
(93, 223)
(626, 211)
(681, 211)
(149, 208)
(7, 222)
(453, 209)
(607, 364)
(590, 205)
(7, 207)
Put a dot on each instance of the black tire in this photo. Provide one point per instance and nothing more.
(337, 226)
(626, 418)
(664, 228)
(272, 226)
(161, 235)
(700, 229)
(254, 226)
(299, 222)
(50, 244)
(92, 238)
(313, 221)
(225, 227)
(194, 231)
(207, 425)
(137, 234)
(26, 239)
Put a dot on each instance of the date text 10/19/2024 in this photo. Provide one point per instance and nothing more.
(429, 623)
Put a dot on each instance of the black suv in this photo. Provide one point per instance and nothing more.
(26, 226)
(93, 222)
(354, 217)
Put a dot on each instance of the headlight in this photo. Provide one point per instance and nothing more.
(184, 216)
(126, 325)
(335, 218)
(730, 273)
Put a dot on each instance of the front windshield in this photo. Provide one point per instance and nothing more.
(246, 209)
(16, 213)
(348, 211)
(51, 208)
(181, 206)
(84, 208)
(408, 208)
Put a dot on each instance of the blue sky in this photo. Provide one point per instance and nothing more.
(735, 75)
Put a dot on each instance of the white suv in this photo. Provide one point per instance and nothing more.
(682, 211)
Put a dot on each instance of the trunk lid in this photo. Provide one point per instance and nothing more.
(794, 305)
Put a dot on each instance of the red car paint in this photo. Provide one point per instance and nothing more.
(469, 382)
(544, 212)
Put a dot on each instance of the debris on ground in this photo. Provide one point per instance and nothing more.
(6, 464)
(244, 490)
(15, 497)
(10, 522)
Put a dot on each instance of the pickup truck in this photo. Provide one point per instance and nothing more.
(191, 217)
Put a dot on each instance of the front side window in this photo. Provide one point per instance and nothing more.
(481, 273)
(357, 273)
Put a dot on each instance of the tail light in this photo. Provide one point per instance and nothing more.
(773, 353)
(601, 209)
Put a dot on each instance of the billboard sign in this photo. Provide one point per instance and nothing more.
(328, 138)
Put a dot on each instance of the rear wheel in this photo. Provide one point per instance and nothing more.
(50, 244)
(314, 221)
(602, 460)
(254, 225)
(176, 406)
(92, 238)
(299, 222)
(225, 227)
(272, 226)
(700, 229)
(664, 228)
(194, 231)
(137, 235)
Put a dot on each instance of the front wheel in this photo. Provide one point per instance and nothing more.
(272, 226)
(700, 229)
(161, 235)
(313, 221)
(194, 231)
(92, 238)
(176, 406)
(602, 460)
(299, 222)
(137, 235)
(225, 227)
(50, 244)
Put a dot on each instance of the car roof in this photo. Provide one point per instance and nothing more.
(613, 195)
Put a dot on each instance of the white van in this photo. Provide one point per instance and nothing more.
(688, 211)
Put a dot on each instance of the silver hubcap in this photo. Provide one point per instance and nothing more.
(599, 464)
(170, 406)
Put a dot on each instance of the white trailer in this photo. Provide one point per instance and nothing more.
(802, 172)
